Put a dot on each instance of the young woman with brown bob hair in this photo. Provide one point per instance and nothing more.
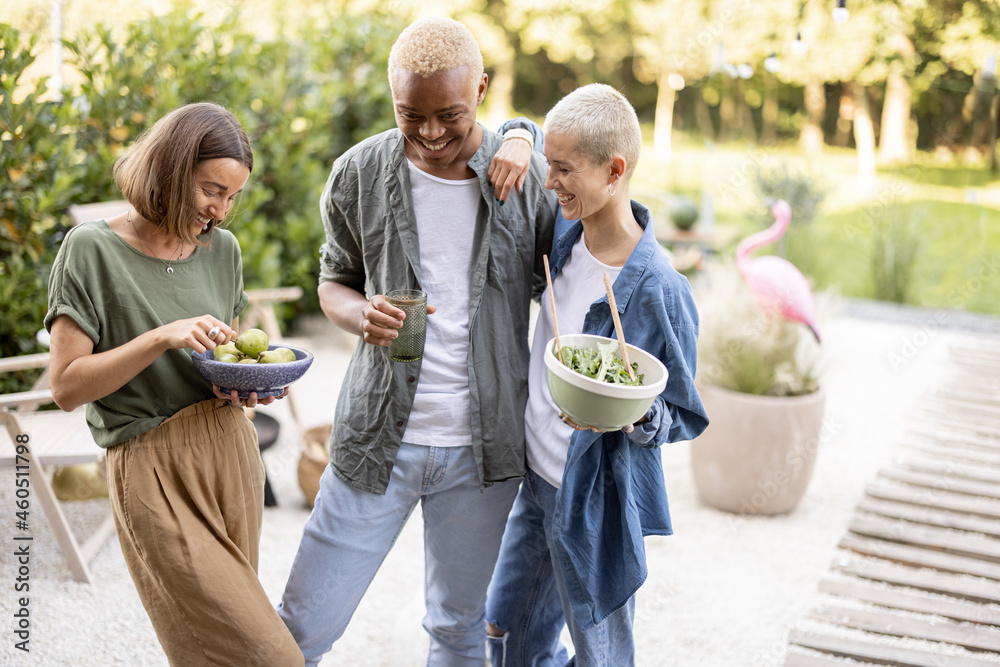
(129, 298)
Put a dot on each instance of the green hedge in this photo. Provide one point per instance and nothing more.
(39, 161)
(304, 97)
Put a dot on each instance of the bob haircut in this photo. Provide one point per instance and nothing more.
(603, 121)
(434, 45)
(156, 174)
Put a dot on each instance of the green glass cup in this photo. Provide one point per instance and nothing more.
(409, 344)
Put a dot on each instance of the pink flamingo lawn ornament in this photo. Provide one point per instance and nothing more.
(774, 281)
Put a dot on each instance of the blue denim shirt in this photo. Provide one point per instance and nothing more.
(613, 492)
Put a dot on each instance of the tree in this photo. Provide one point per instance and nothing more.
(585, 34)
(757, 34)
(674, 42)
(41, 166)
(834, 52)
(971, 44)
(922, 41)
(899, 59)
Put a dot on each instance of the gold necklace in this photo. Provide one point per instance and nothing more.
(165, 262)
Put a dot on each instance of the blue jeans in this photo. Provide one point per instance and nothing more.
(527, 598)
(350, 532)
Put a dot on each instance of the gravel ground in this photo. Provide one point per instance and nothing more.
(723, 591)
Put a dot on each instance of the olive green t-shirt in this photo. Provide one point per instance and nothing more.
(115, 293)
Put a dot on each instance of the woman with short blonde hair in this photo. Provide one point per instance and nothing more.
(572, 554)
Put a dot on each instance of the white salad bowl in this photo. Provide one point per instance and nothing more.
(602, 405)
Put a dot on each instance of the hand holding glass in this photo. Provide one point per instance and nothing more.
(409, 343)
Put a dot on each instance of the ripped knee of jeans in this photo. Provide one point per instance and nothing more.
(494, 631)
(496, 645)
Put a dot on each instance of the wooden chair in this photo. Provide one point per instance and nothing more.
(260, 313)
(33, 441)
(101, 210)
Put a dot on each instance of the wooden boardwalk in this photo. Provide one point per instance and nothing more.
(918, 581)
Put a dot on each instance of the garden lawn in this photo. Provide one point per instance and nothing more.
(955, 249)
(925, 233)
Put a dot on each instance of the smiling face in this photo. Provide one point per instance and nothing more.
(217, 182)
(581, 186)
(437, 116)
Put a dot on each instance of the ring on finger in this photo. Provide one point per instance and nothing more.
(213, 333)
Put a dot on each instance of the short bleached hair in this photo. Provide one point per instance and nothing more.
(434, 45)
(603, 121)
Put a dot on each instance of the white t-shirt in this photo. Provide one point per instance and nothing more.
(576, 288)
(446, 223)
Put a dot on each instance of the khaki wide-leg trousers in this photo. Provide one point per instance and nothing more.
(188, 501)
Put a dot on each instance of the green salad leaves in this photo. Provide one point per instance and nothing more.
(601, 364)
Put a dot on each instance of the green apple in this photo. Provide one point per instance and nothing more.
(227, 358)
(278, 355)
(222, 350)
(252, 342)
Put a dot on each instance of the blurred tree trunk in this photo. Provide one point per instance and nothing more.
(983, 127)
(746, 113)
(664, 120)
(995, 117)
(864, 135)
(729, 120)
(957, 126)
(769, 112)
(704, 117)
(540, 96)
(845, 116)
(500, 96)
(895, 141)
(811, 138)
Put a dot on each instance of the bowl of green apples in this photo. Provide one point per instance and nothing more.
(251, 363)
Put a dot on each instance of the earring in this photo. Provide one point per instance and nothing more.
(613, 187)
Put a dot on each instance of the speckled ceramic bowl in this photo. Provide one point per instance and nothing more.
(602, 405)
(265, 379)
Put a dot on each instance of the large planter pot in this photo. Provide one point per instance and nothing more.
(757, 454)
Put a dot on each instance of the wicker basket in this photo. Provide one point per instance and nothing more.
(314, 459)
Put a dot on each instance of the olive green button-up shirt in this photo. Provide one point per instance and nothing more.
(372, 246)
